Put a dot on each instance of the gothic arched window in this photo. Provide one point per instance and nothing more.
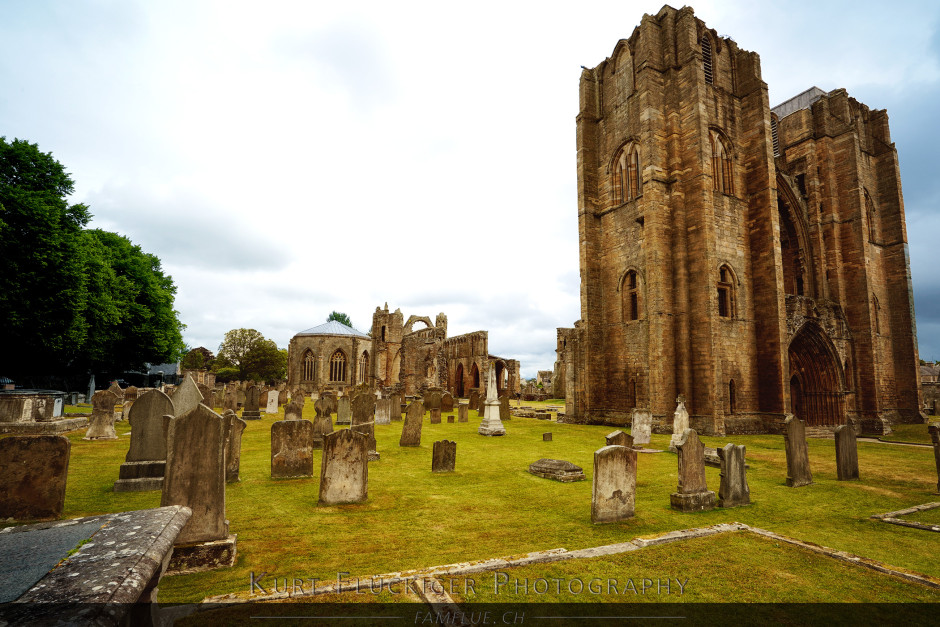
(707, 60)
(338, 367)
(722, 170)
(627, 180)
(630, 295)
(363, 367)
(726, 294)
(309, 362)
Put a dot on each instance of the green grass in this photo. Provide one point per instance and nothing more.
(491, 507)
(927, 517)
(909, 433)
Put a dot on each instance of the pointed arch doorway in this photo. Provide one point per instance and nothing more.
(458, 387)
(817, 387)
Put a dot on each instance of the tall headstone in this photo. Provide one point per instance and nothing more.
(463, 415)
(934, 431)
(33, 473)
(447, 402)
(186, 397)
(282, 397)
(101, 423)
(846, 453)
(491, 423)
(272, 402)
(383, 411)
(234, 427)
(344, 468)
(680, 422)
(613, 494)
(322, 423)
(252, 409)
(619, 438)
(414, 419)
(295, 410)
(794, 439)
(145, 462)
(363, 419)
(504, 408)
(474, 400)
(230, 399)
(642, 426)
(444, 456)
(398, 407)
(435, 417)
(432, 400)
(733, 490)
(292, 448)
(343, 411)
(481, 403)
(692, 495)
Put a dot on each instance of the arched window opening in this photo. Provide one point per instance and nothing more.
(630, 297)
(363, 367)
(338, 367)
(627, 182)
(309, 365)
(732, 399)
(875, 309)
(872, 217)
(725, 292)
(383, 332)
(707, 60)
(722, 170)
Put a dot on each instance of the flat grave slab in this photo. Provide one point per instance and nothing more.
(557, 469)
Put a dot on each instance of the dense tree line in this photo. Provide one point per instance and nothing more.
(72, 299)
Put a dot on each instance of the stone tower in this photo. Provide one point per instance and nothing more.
(753, 261)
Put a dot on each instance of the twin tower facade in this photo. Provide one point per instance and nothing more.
(751, 260)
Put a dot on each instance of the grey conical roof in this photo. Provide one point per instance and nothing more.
(334, 327)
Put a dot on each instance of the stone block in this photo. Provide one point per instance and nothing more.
(546, 437)
(343, 411)
(641, 426)
(292, 448)
(846, 453)
(435, 416)
(613, 493)
(557, 469)
(733, 490)
(272, 403)
(794, 438)
(414, 420)
(451, 419)
(344, 469)
(619, 438)
(33, 473)
(444, 456)
(463, 413)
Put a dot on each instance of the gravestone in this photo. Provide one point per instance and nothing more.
(101, 423)
(432, 400)
(474, 400)
(272, 402)
(641, 427)
(344, 468)
(145, 462)
(492, 423)
(546, 437)
(613, 493)
(543, 415)
(557, 469)
(435, 416)
(294, 410)
(463, 414)
(444, 456)
(33, 473)
(398, 407)
(240, 394)
(117, 391)
(206, 394)
(343, 411)
(794, 439)
(230, 399)
(383, 411)
(447, 402)
(282, 397)
(619, 438)
(186, 398)
(363, 419)
(292, 448)
(322, 423)
(481, 402)
(195, 478)
(846, 453)
(504, 414)
(252, 409)
(733, 490)
(414, 419)
(680, 422)
(692, 495)
(934, 431)
(131, 393)
(234, 427)
(451, 419)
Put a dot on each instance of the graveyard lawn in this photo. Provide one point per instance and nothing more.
(917, 434)
(491, 506)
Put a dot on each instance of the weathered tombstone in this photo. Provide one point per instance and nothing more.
(292, 448)
(934, 431)
(680, 422)
(444, 456)
(363, 419)
(186, 398)
(272, 402)
(344, 469)
(195, 477)
(145, 462)
(432, 400)
(504, 408)
(33, 473)
(794, 438)
(414, 419)
(383, 411)
(613, 493)
(451, 418)
(619, 438)
(343, 411)
(474, 400)
(733, 490)
(436, 416)
(543, 415)
(398, 407)
(252, 409)
(282, 397)
(101, 423)
(230, 399)
(206, 394)
(546, 437)
(295, 410)
(322, 423)
(557, 469)
(641, 426)
(846, 453)
(447, 402)
(491, 423)
(117, 391)
(692, 495)
(463, 414)
(234, 427)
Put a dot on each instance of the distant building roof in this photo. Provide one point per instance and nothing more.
(164, 369)
(801, 101)
(334, 327)
(930, 371)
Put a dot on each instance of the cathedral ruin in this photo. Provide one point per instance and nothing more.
(750, 259)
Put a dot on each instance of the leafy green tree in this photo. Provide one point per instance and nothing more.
(198, 359)
(339, 317)
(253, 356)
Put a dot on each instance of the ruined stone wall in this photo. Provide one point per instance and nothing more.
(466, 358)
(323, 347)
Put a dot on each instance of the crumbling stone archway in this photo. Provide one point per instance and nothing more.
(408, 325)
(458, 387)
(817, 382)
(475, 375)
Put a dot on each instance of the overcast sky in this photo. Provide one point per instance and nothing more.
(288, 159)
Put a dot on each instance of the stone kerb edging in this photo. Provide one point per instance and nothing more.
(892, 517)
(415, 578)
